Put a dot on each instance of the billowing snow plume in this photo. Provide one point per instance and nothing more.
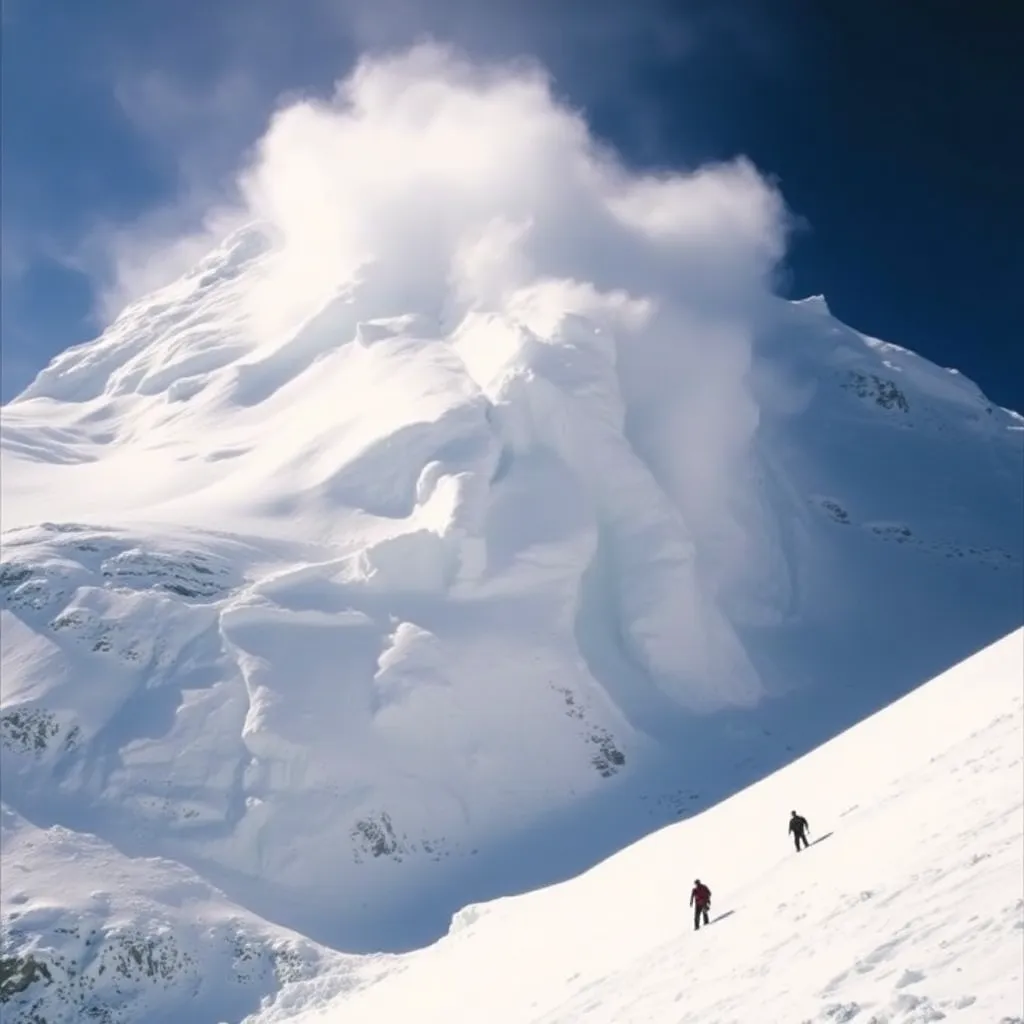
(469, 197)
(473, 507)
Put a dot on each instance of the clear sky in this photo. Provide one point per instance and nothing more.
(895, 131)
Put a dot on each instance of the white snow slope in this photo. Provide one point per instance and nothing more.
(93, 935)
(363, 581)
(907, 908)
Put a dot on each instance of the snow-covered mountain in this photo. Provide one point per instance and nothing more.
(907, 908)
(92, 934)
(427, 545)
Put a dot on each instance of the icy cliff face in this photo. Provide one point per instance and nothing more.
(336, 578)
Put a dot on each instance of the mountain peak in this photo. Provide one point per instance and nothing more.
(330, 583)
(814, 302)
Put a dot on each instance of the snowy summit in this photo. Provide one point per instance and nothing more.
(468, 512)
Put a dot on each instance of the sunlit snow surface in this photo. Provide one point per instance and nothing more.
(907, 908)
(447, 529)
(345, 627)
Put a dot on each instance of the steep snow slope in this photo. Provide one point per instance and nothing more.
(407, 596)
(907, 908)
(351, 622)
(468, 512)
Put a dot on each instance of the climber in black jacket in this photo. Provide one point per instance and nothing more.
(798, 828)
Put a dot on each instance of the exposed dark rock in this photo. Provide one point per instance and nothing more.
(882, 392)
(29, 730)
(608, 759)
(376, 836)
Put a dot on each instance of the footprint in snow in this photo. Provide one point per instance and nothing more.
(878, 955)
(910, 978)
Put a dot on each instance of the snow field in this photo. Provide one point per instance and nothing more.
(908, 908)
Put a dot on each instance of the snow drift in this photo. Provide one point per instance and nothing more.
(472, 509)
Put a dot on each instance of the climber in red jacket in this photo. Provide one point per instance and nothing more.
(700, 900)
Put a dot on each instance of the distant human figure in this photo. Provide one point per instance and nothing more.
(700, 900)
(798, 828)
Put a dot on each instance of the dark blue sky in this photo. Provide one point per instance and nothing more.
(894, 130)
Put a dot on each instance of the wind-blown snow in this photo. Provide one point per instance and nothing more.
(908, 906)
(471, 510)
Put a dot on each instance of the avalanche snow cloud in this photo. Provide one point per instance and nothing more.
(471, 508)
